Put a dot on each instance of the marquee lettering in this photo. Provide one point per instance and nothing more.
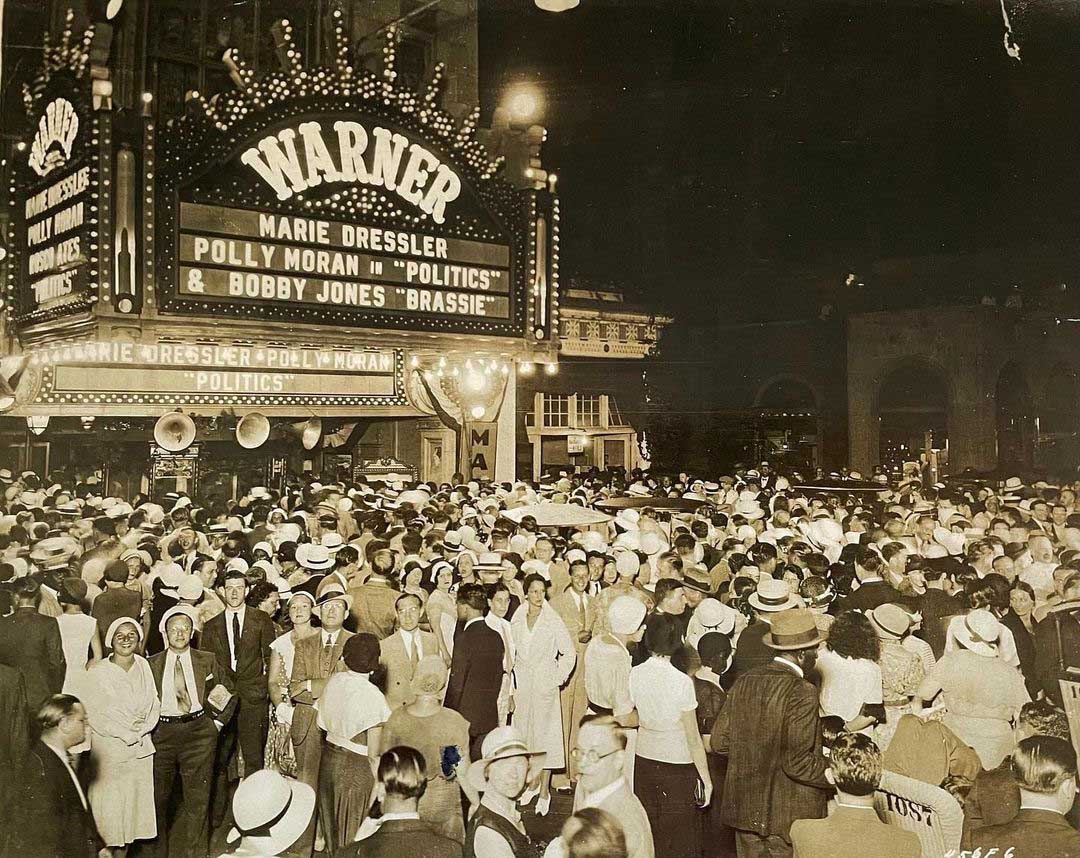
(297, 159)
(58, 126)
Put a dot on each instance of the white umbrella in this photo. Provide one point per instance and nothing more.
(558, 515)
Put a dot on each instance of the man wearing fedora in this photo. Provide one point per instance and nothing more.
(769, 729)
(770, 597)
(317, 658)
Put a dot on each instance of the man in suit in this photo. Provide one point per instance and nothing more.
(853, 830)
(193, 710)
(373, 608)
(770, 732)
(1045, 771)
(240, 638)
(600, 751)
(317, 658)
(873, 589)
(14, 745)
(55, 818)
(1057, 641)
(31, 644)
(575, 607)
(401, 652)
(770, 597)
(476, 670)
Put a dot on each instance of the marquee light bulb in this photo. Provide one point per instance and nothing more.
(526, 367)
(477, 411)
(551, 368)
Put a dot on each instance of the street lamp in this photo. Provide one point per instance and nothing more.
(37, 423)
(556, 5)
(524, 102)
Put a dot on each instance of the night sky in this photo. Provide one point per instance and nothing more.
(749, 147)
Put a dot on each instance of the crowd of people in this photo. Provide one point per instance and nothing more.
(749, 666)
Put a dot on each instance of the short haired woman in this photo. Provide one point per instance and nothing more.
(122, 708)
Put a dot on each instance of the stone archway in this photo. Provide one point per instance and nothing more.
(912, 406)
(787, 392)
(1015, 419)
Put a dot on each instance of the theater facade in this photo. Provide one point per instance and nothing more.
(319, 266)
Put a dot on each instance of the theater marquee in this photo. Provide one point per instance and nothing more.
(352, 214)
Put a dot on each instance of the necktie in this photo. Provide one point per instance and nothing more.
(414, 656)
(327, 656)
(581, 610)
(183, 699)
(235, 637)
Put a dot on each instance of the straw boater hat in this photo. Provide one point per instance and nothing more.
(500, 744)
(625, 615)
(773, 596)
(891, 622)
(791, 630)
(271, 812)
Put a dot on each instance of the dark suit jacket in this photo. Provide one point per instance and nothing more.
(252, 656)
(31, 643)
(401, 837)
(53, 820)
(1031, 832)
(14, 746)
(750, 652)
(935, 605)
(208, 673)
(994, 799)
(1046, 649)
(770, 731)
(1025, 649)
(868, 597)
(476, 672)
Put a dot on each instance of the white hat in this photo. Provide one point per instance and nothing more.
(190, 588)
(271, 812)
(978, 631)
(500, 744)
(170, 574)
(714, 616)
(772, 595)
(626, 562)
(626, 614)
(314, 556)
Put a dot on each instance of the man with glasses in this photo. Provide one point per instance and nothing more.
(598, 754)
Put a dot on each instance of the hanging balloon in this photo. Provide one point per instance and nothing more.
(174, 432)
(252, 430)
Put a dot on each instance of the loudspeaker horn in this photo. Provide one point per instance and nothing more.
(174, 432)
(312, 433)
(252, 430)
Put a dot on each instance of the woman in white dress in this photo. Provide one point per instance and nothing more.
(78, 633)
(545, 660)
(122, 709)
(279, 754)
(442, 610)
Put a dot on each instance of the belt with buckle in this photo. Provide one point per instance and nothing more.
(181, 719)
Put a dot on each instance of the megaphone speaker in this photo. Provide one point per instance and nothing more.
(174, 432)
(252, 430)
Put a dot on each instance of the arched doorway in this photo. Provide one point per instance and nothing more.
(1015, 419)
(913, 409)
(787, 430)
(1057, 422)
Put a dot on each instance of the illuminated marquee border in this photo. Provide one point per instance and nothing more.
(215, 132)
(41, 376)
(63, 74)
